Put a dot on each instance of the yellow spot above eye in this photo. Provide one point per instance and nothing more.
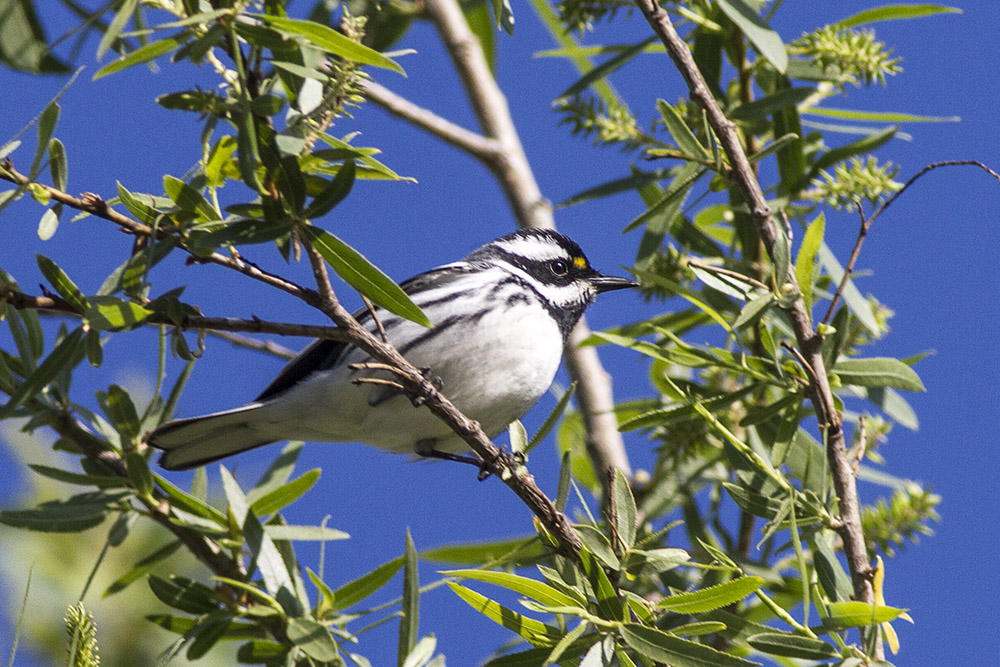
(580, 262)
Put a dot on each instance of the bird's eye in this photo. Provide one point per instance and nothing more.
(558, 267)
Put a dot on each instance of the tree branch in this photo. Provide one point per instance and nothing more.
(809, 342)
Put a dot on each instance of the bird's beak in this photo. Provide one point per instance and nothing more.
(604, 283)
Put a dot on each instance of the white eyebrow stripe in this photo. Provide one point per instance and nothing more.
(533, 248)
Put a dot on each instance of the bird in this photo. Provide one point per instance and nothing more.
(500, 319)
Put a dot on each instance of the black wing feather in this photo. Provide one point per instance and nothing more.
(323, 354)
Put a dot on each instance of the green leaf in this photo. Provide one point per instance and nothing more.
(207, 633)
(142, 567)
(878, 116)
(331, 41)
(108, 313)
(637, 180)
(681, 133)
(894, 12)
(364, 276)
(770, 104)
(409, 622)
(536, 590)
(184, 594)
(72, 515)
(713, 597)
(610, 606)
(81, 479)
(528, 548)
(662, 647)
(46, 126)
(852, 614)
(679, 188)
(792, 646)
(859, 305)
(535, 632)
(120, 410)
(333, 193)
(304, 533)
(189, 199)
(313, 638)
(552, 418)
(865, 144)
(277, 473)
(66, 288)
(625, 514)
(767, 41)
(600, 72)
(143, 54)
(878, 372)
(285, 494)
(753, 309)
(518, 437)
(49, 222)
(355, 591)
(66, 354)
(265, 555)
(191, 504)
(144, 212)
(505, 15)
(114, 29)
(138, 473)
(805, 263)
(261, 651)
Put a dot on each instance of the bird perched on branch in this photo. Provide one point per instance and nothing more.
(500, 319)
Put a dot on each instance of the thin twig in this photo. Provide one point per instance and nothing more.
(378, 322)
(197, 323)
(849, 269)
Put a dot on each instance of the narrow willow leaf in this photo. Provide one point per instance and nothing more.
(859, 305)
(535, 632)
(699, 628)
(866, 144)
(277, 473)
(878, 372)
(189, 199)
(760, 109)
(792, 646)
(610, 606)
(636, 181)
(409, 622)
(713, 597)
(603, 70)
(183, 594)
(333, 42)
(207, 633)
(62, 357)
(853, 614)
(364, 276)
(116, 26)
(47, 121)
(754, 309)
(805, 263)
(781, 257)
(70, 516)
(261, 652)
(189, 503)
(304, 533)
(679, 187)
(625, 515)
(879, 116)
(832, 577)
(505, 15)
(355, 591)
(143, 54)
(62, 283)
(680, 132)
(143, 211)
(285, 494)
(518, 437)
(81, 479)
(894, 12)
(552, 418)
(266, 556)
(312, 638)
(333, 193)
(49, 223)
(767, 41)
(142, 567)
(536, 590)
(108, 313)
(526, 548)
(662, 647)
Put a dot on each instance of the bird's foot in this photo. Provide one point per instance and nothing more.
(425, 448)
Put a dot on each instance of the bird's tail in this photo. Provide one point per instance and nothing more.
(195, 441)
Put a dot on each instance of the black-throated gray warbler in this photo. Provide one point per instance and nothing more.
(501, 317)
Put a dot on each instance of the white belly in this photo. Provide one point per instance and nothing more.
(499, 367)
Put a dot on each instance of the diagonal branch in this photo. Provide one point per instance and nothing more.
(808, 341)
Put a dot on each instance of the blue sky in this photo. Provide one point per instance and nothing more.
(929, 259)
